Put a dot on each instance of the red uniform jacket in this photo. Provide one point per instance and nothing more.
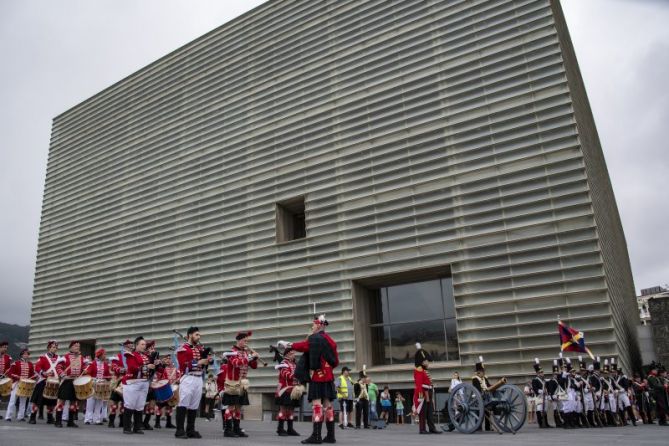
(70, 366)
(172, 374)
(5, 363)
(136, 367)
(238, 365)
(99, 370)
(188, 357)
(43, 365)
(324, 373)
(422, 386)
(21, 370)
(220, 378)
(286, 377)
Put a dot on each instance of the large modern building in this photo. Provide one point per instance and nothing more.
(416, 170)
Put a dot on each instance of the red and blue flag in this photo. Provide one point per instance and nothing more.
(572, 340)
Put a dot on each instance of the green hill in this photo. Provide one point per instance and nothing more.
(16, 335)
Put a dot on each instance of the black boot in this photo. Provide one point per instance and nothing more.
(157, 423)
(290, 431)
(584, 420)
(181, 420)
(137, 422)
(59, 419)
(280, 431)
(330, 436)
(120, 424)
(190, 424)
(546, 420)
(146, 424)
(49, 418)
(540, 419)
(237, 429)
(112, 417)
(630, 412)
(315, 437)
(168, 422)
(70, 421)
(33, 418)
(126, 421)
(228, 431)
(558, 417)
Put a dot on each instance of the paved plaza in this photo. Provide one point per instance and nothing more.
(262, 433)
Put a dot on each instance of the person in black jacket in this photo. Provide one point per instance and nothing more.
(361, 399)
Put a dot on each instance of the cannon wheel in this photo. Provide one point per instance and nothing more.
(465, 408)
(511, 414)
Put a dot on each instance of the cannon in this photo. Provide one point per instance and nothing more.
(505, 407)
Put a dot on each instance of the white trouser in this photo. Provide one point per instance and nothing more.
(190, 392)
(589, 401)
(623, 400)
(23, 402)
(94, 410)
(134, 394)
(608, 403)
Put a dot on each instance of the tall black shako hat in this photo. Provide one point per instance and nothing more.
(537, 366)
(363, 373)
(479, 365)
(581, 364)
(421, 355)
(556, 367)
(596, 364)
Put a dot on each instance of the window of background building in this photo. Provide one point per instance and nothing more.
(402, 315)
(290, 220)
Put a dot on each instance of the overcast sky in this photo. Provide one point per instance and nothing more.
(54, 54)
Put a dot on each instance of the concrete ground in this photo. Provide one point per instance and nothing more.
(262, 433)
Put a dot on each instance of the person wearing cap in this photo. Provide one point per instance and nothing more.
(135, 387)
(608, 402)
(624, 385)
(588, 400)
(597, 387)
(69, 367)
(45, 368)
(22, 368)
(658, 390)
(167, 371)
(284, 393)
(5, 361)
(99, 370)
(423, 402)
(554, 390)
(150, 356)
(192, 361)
(539, 389)
(361, 398)
(240, 359)
(572, 407)
(481, 383)
(321, 358)
(116, 398)
(642, 398)
(345, 397)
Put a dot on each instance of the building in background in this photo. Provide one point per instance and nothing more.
(418, 171)
(642, 301)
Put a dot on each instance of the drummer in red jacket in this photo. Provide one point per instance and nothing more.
(99, 371)
(5, 361)
(45, 368)
(21, 369)
(135, 387)
(69, 367)
(166, 371)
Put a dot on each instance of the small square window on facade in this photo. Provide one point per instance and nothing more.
(290, 220)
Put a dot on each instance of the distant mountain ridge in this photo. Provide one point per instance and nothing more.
(16, 335)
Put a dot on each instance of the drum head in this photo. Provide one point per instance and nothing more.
(82, 380)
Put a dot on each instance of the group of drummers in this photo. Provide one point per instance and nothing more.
(138, 383)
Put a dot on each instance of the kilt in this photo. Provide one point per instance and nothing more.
(37, 397)
(151, 395)
(66, 391)
(320, 390)
(236, 400)
(285, 401)
(115, 397)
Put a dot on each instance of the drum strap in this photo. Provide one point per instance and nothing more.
(52, 365)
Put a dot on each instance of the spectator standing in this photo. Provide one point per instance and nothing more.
(386, 403)
(210, 393)
(373, 398)
(345, 396)
(399, 408)
(361, 391)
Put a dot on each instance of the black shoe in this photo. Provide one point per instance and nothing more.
(190, 424)
(237, 429)
(112, 417)
(350, 425)
(59, 419)
(33, 417)
(146, 424)
(126, 421)
(290, 431)
(315, 437)
(137, 422)
(71, 423)
(157, 423)
(280, 431)
(168, 422)
(228, 429)
(49, 418)
(330, 436)
(423, 432)
(434, 431)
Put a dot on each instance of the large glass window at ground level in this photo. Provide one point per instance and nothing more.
(402, 315)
